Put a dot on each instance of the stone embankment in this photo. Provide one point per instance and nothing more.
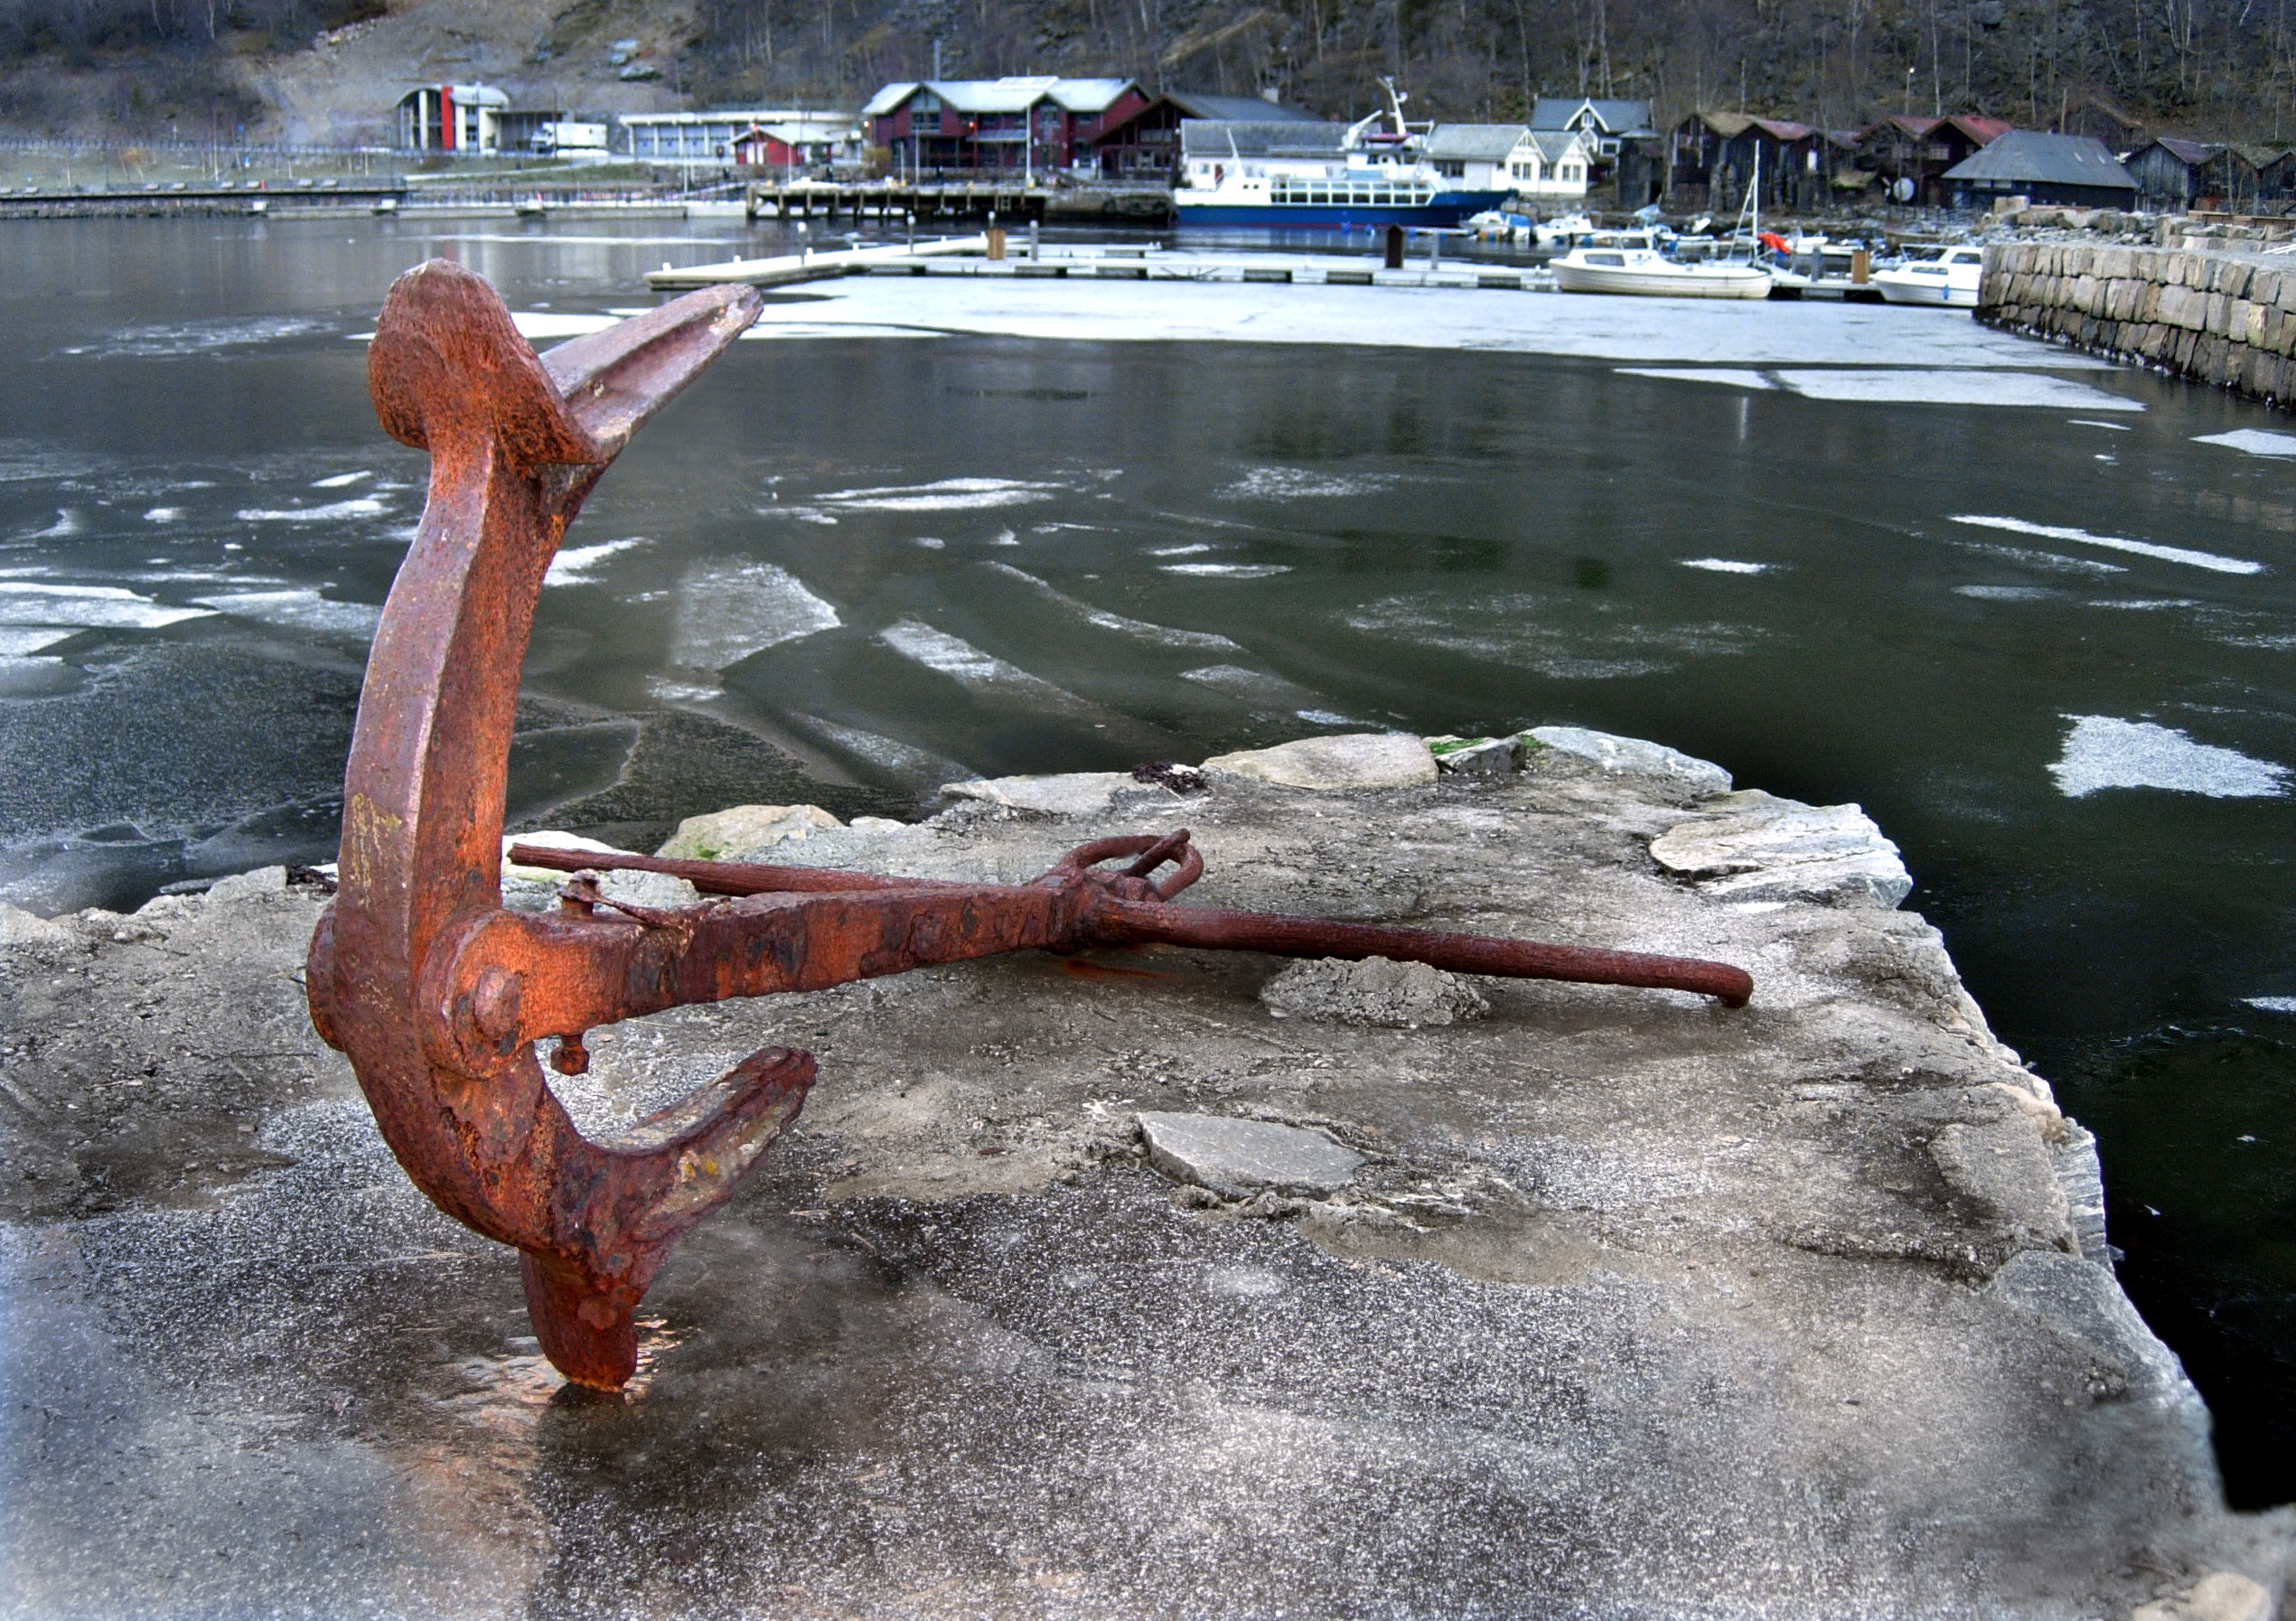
(1137, 1283)
(2218, 317)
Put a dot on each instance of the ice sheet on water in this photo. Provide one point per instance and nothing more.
(2053, 562)
(948, 494)
(766, 331)
(1161, 635)
(2273, 1004)
(728, 610)
(89, 607)
(574, 564)
(2118, 428)
(2138, 604)
(68, 523)
(969, 666)
(361, 506)
(304, 610)
(538, 325)
(1894, 386)
(2144, 548)
(1230, 571)
(1269, 693)
(2256, 441)
(342, 481)
(904, 762)
(1574, 637)
(1733, 376)
(16, 640)
(2006, 594)
(200, 337)
(2104, 752)
(164, 515)
(1294, 483)
(1726, 565)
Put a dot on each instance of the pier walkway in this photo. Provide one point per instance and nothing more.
(968, 256)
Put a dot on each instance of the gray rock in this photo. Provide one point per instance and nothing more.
(1633, 755)
(731, 834)
(1349, 760)
(1238, 1159)
(1484, 757)
(1759, 847)
(1064, 795)
(22, 930)
(1395, 996)
(2081, 1301)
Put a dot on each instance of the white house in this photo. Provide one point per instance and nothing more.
(1550, 163)
(1479, 156)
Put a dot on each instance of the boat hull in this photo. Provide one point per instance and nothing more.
(1447, 210)
(1934, 294)
(1663, 283)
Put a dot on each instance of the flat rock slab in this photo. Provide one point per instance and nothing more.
(1355, 760)
(1634, 1307)
(1635, 756)
(1238, 1159)
(1753, 847)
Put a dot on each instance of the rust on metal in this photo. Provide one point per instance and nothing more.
(440, 995)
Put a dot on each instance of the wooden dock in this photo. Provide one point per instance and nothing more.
(785, 268)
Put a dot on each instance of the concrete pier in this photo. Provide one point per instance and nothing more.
(1143, 1283)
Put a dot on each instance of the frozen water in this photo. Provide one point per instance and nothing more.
(948, 494)
(2273, 1004)
(362, 506)
(103, 607)
(16, 640)
(1988, 388)
(536, 325)
(728, 610)
(1572, 637)
(341, 480)
(1162, 635)
(2144, 548)
(573, 566)
(298, 610)
(2118, 428)
(2102, 751)
(1194, 548)
(2256, 441)
(1716, 332)
(767, 329)
(2135, 603)
(1233, 571)
(164, 515)
(970, 668)
(1724, 565)
(2053, 562)
(200, 337)
(930, 542)
(1287, 483)
(68, 524)
(2005, 594)
(1734, 377)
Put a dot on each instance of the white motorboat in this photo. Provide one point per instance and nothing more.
(1630, 262)
(1947, 277)
(1560, 231)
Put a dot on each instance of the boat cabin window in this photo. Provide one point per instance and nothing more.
(1606, 258)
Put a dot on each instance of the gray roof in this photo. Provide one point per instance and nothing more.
(1612, 117)
(1475, 142)
(1554, 145)
(2060, 160)
(1260, 137)
(1013, 94)
(1242, 109)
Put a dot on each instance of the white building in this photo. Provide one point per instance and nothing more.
(1550, 163)
(709, 137)
(1480, 156)
(451, 117)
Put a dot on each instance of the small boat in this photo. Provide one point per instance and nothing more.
(1631, 262)
(1947, 277)
(1562, 232)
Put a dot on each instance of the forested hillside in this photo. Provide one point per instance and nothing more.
(2209, 66)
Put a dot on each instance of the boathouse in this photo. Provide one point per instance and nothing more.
(1030, 124)
(2076, 170)
(1910, 153)
(1144, 145)
(1712, 160)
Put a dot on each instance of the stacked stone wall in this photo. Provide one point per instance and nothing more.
(2213, 317)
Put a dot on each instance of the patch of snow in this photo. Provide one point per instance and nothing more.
(1988, 388)
(574, 564)
(728, 610)
(1733, 376)
(2144, 548)
(297, 610)
(1725, 566)
(1232, 571)
(2256, 441)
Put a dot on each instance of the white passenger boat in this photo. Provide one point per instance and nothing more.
(1946, 276)
(1630, 262)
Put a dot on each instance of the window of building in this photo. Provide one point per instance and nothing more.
(1451, 167)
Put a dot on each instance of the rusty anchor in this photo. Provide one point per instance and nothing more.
(439, 995)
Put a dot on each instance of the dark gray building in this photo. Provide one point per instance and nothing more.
(2171, 173)
(2076, 170)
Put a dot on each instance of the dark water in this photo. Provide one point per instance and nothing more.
(846, 569)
